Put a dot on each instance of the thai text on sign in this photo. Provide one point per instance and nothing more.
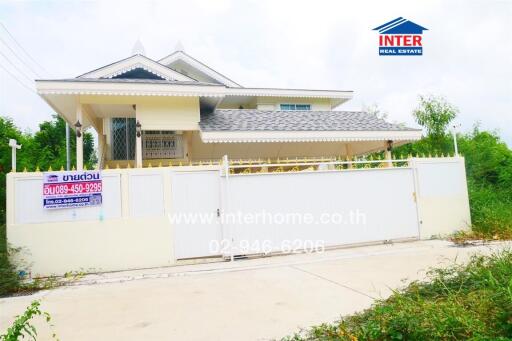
(72, 189)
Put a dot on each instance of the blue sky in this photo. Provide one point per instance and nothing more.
(320, 44)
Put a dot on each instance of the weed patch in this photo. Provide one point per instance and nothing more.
(461, 302)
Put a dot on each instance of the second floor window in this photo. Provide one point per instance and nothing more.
(296, 107)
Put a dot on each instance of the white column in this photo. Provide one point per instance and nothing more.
(138, 141)
(348, 152)
(138, 151)
(187, 152)
(79, 140)
(387, 154)
(101, 150)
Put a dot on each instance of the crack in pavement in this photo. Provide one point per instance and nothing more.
(333, 282)
(224, 267)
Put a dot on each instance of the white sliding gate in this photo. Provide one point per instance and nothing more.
(240, 214)
(281, 212)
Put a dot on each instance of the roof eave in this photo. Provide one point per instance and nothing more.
(342, 95)
(151, 88)
(308, 136)
(51, 87)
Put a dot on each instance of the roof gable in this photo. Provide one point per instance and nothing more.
(182, 62)
(400, 26)
(136, 62)
(138, 73)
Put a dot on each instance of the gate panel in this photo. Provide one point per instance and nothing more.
(336, 208)
(195, 199)
(442, 196)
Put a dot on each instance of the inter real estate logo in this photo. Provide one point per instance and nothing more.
(400, 37)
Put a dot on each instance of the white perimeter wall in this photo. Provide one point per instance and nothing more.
(132, 230)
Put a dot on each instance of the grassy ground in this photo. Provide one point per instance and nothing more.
(491, 214)
(491, 210)
(470, 302)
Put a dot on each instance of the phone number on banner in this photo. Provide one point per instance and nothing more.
(91, 200)
(72, 188)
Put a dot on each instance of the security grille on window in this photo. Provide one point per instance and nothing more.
(162, 145)
(296, 107)
(123, 138)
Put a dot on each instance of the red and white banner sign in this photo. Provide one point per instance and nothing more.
(72, 189)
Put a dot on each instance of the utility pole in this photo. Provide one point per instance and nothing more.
(454, 131)
(68, 158)
(14, 145)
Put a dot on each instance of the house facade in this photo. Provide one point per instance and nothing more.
(163, 196)
(178, 110)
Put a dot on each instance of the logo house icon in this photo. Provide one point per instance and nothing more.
(400, 37)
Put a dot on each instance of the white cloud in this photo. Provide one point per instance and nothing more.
(321, 44)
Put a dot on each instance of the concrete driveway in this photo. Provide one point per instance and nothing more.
(256, 299)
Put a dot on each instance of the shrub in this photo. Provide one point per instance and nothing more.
(22, 326)
(491, 210)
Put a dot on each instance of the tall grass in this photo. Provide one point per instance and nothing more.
(491, 210)
(462, 302)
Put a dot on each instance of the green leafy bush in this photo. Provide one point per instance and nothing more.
(489, 172)
(23, 326)
(461, 302)
(491, 211)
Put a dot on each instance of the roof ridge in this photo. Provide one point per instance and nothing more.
(201, 63)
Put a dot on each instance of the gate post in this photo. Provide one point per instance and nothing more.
(411, 162)
(229, 231)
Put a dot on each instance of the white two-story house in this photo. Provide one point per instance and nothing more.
(178, 110)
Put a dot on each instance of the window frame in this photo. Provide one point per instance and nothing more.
(294, 106)
(126, 150)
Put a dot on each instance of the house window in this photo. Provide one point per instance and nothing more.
(123, 138)
(303, 107)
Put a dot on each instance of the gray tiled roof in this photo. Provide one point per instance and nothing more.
(263, 120)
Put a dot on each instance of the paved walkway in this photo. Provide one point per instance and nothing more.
(255, 299)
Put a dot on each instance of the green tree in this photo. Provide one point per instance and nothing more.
(49, 146)
(9, 131)
(434, 114)
(488, 159)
